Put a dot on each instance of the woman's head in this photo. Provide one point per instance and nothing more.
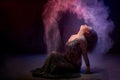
(90, 35)
(86, 30)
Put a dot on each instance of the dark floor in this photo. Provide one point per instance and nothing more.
(18, 67)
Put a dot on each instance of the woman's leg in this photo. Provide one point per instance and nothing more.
(47, 65)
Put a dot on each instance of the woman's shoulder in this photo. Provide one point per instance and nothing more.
(75, 38)
(72, 37)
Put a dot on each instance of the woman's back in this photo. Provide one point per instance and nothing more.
(73, 51)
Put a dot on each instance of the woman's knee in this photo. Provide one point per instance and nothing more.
(52, 55)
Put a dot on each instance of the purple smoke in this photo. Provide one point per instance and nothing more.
(93, 12)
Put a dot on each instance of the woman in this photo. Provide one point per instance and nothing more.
(70, 62)
(77, 46)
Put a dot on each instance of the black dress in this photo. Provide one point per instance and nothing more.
(58, 63)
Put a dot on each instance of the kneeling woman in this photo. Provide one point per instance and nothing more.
(70, 62)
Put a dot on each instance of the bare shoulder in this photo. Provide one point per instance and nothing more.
(72, 37)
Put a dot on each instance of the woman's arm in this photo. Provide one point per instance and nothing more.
(83, 45)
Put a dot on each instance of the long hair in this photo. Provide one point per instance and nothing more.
(91, 40)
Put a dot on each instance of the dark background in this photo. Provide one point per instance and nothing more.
(22, 29)
(115, 16)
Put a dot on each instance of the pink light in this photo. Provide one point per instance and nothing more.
(93, 12)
